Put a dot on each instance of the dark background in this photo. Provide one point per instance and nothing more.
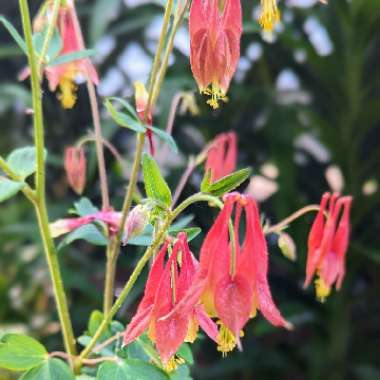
(332, 99)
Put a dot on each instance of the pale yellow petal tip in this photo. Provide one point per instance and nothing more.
(289, 326)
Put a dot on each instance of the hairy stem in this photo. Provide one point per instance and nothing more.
(40, 203)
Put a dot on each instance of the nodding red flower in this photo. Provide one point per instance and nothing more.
(215, 31)
(328, 243)
(166, 286)
(137, 220)
(141, 99)
(64, 75)
(232, 280)
(75, 167)
(222, 155)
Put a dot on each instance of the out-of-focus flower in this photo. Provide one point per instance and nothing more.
(222, 155)
(165, 288)
(75, 167)
(269, 15)
(215, 33)
(136, 222)
(141, 99)
(370, 187)
(261, 188)
(270, 170)
(328, 243)
(334, 178)
(232, 281)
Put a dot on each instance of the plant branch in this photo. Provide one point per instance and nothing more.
(40, 204)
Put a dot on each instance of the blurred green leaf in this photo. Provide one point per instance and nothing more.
(52, 369)
(70, 57)
(164, 136)
(228, 183)
(88, 233)
(14, 33)
(22, 161)
(55, 44)
(94, 322)
(9, 188)
(85, 207)
(21, 352)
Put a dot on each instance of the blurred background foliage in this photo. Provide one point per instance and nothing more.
(303, 98)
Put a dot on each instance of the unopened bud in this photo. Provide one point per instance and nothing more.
(59, 227)
(75, 167)
(287, 246)
(141, 99)
(137, 220)
(334, 178)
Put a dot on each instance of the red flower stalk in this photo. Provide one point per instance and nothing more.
(232, 281)
(328, 243)
(222, 156)
(64, 75)
(214, 45)
(166, 286)
(141, 99)
(75, 167)
(135, 224)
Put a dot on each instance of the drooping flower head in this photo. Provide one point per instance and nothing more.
(328, 243)
(64, 75)
(232, 280)
(269, 15)
(75, 167)
(215, 31)
(166, 286)
(141, 100)
(222, 155)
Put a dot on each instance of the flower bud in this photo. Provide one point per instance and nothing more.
(287, 246)
(137, 220)
(75, 167)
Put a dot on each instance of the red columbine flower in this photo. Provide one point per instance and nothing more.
(165, 288)
(232, 281)
(221, 156)
(328, 243)
(137, 220)
(64, 75)
(215, 33)
(75, 167)
(141, 99)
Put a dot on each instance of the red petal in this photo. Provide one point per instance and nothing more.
(206, 323)
(138, 325)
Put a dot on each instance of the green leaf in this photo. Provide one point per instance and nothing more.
(130, 369)
(14, 33)
(69, 57)
(85, 207)
(88, 233)
(186, 353)
(22, 161)
(191, 232)
(206, 182)
(155, 185)
(168, 139)
(96, 318)
(21, 352)
(182, 373)
(124, 119)
(52, 369)
(55, 45)
(128, 107)
(9, 188)
(228, 183)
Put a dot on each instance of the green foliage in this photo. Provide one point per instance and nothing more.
(155, 185)
(21, 352)
(88, 232)
(9, 188)
(54, 47)
(51, 369)
(70, 57)
(14, 33)
(22, 161)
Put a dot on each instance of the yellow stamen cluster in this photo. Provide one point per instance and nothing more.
(322, 289)
(67, 94)
(270, 15)
(226, 339)
(173, 363)
(216, 94)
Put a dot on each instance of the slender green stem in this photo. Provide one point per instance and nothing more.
(280, 226)
(40, 204)
(199, 197)
(49, 33)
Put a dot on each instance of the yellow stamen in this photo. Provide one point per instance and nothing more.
(270, 15)
(192, 331)
(216, 94)
(322, 289)
(67, 95)
(173, 363)
(226, 339)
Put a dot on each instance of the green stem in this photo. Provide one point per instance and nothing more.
(49, 33)
(199, 197)
(40, 204)
(115, 243)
